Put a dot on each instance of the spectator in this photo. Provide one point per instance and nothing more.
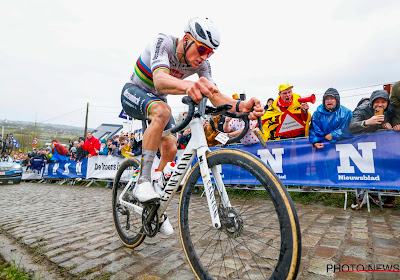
(91, 145)
(126, 148)
(184, 139)
(60, 153)
(80, 152)
(269, 103)
(116, 140)
(330, 121)
(374, 115)
(286, 103)
(73, 153)
(109, 143)
(136, 145)
(37, 163)
(71, 144)
(395, 100)
(370, 117)
(233, 127)
(185, 135)
(114, 150)
(363, 100)
(48, 155)
(103, 147)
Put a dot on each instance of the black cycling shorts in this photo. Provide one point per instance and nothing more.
(137, 102)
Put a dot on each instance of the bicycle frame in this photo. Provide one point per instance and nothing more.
(196, 146)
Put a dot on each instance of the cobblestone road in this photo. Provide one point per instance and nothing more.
(72, 228)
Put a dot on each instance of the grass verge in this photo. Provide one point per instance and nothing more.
(11, 270)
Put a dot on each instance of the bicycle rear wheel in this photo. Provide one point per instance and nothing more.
(260, 234)
(127, 221)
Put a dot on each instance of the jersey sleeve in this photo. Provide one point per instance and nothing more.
(159, 50)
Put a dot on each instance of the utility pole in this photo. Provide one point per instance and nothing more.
(87, 113)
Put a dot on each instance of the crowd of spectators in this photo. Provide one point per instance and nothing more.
(119, 145)
(330, 122)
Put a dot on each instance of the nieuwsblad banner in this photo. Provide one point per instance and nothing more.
(364, 161)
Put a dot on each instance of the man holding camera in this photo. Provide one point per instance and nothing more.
(377, 114)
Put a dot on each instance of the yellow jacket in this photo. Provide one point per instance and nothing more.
(272, 118)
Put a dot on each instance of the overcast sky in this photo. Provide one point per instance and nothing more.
(57, 56)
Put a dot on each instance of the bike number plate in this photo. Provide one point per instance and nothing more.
(222, 138)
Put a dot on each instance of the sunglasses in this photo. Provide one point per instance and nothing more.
(202, 49)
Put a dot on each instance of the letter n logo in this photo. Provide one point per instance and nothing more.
(275, 163)
(364, 162)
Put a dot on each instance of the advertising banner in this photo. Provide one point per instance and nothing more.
(365, 161)
(66, 169)
(31, 174)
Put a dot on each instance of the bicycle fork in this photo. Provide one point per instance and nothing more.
(209, 187)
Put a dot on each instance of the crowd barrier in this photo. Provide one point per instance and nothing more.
(370, 161)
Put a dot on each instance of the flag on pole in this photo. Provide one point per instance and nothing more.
(16, 144)
(124, 115)
(34, 143)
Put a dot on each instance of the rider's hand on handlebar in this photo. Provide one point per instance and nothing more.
(201, 87)
(258, 108)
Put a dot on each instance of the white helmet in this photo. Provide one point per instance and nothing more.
(204, 31)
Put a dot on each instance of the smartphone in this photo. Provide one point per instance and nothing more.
(378, 111)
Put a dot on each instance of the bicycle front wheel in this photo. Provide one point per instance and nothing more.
(127, 222)
(259, 236)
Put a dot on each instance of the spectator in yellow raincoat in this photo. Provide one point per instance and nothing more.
(287, 101)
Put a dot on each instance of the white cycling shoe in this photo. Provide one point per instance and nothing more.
(145, 192)
(166, 227)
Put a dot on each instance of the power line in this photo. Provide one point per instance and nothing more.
(62, 115)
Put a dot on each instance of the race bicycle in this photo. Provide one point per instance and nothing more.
(254, 236)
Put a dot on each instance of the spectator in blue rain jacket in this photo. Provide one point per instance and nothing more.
(330, 121)
(103, 147)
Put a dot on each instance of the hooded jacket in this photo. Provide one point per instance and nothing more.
(334, 121)
(366, 111)
(395, 101)
(103, 147)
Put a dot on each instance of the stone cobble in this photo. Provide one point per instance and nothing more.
(73, 228)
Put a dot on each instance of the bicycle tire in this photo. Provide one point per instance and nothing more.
(255, 263)
(133, 236)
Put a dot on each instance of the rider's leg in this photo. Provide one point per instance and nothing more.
(168, 150)
(159, 114)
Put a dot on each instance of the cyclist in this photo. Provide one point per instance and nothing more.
(160, 71)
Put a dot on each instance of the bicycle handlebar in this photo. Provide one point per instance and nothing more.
(203, 109)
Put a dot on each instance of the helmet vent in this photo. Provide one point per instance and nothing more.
(200, 31)
(211, 39)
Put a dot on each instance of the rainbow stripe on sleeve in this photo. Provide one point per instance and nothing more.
(159, 67)
(143, 72)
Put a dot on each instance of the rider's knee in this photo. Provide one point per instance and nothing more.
(160, 112)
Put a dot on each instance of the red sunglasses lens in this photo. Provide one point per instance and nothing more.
(203, 50)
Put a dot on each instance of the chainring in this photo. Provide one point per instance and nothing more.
(150, 227)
